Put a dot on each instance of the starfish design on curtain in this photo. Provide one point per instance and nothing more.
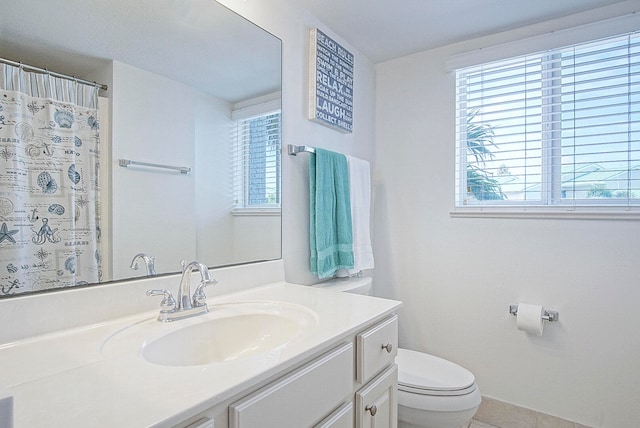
(6, 234)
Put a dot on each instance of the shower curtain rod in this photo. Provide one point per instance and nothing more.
(54, 74)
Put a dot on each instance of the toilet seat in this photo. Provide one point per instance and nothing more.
(425, 374)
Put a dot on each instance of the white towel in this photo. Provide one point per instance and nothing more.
(360, 194)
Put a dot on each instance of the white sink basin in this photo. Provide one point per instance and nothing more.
(227, 333)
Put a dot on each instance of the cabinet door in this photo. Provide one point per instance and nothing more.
(299, 399)
(376, 402)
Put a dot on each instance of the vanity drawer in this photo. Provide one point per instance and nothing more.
(342, 417)
(301, 398)
(376, 348)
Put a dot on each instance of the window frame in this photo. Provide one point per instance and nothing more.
(242, 114)
(550, 205)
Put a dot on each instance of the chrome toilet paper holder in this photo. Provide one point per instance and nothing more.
(549, 315)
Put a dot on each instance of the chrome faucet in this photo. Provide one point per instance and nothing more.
(186, 304)
(149, 262)
(184, 290)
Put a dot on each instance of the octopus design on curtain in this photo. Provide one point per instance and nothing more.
(49, 189)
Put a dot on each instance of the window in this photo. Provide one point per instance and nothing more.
(256, 154)
(558, 129)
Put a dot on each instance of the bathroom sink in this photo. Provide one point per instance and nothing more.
(219, 340)
(229, 332)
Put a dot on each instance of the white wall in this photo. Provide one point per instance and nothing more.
(152, 121)
(213, 203)
(457, 276)
(291, 24)
(257, 237)
(189, 216)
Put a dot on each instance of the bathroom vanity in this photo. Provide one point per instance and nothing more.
(325, 386)
(285, 356)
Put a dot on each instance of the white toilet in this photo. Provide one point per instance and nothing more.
(432, 392)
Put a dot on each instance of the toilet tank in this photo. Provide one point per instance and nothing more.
(348, 285)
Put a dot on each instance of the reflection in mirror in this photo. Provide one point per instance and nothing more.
(190, 84)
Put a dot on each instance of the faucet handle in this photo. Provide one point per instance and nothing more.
(168, 302)
(199, 298)
(151, 265)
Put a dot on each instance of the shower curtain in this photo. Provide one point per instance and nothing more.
(49, 189)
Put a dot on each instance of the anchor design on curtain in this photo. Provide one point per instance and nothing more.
(49, 189)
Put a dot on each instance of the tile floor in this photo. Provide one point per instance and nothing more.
(498, 414)
(478, 424)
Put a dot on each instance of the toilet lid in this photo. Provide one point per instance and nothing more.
(431, 374)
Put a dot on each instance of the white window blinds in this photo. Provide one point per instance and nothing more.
(256, 160)
(557, 128)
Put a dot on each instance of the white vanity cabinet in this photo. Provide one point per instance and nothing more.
(376, 401)
(351, 385)
(301, 398)
(337, 369)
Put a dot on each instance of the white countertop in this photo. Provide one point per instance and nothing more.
(65, 379)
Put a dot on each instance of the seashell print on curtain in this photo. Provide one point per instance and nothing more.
(49, 189)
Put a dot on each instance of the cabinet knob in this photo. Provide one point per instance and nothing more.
(388, 347)
(372, 409)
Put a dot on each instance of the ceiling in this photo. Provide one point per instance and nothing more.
(197, 42)
(175, 38)
(388, 29)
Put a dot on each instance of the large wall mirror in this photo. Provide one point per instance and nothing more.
(186, 79)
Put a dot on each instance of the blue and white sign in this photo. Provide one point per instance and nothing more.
(330, 82)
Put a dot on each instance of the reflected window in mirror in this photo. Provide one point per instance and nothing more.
(256, 155)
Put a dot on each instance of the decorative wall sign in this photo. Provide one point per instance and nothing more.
(330, 82)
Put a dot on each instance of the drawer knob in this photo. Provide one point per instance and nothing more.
(372, 409)
(388, 347)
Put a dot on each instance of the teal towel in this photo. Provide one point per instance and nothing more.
(331, 236)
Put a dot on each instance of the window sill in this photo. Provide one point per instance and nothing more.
(256, 212)
(579, 213)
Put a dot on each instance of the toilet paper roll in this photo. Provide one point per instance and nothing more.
(529, 318)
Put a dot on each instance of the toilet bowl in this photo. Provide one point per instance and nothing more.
(432, 392)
